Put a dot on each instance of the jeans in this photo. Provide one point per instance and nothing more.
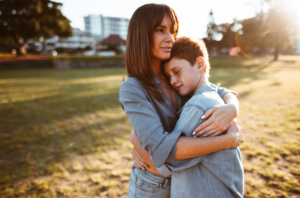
(144, 184)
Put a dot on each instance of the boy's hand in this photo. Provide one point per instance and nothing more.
(219, 120)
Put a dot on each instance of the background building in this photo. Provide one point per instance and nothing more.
(101, 27)
(79, 42)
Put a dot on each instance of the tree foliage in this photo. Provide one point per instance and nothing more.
(272, 32)
(22, 20)
(225, 32)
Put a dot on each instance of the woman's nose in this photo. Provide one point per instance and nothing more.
(169, 37)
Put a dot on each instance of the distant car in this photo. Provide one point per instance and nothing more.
(107, 53)
(89, 53)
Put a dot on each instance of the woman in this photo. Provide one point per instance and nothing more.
(151, 104)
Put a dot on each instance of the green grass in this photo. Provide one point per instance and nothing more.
(64, 134)
(71, 58)
(90, 58)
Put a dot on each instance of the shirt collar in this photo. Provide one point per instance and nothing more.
(208, 87)
(154, 79)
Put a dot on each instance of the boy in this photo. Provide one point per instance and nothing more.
(218, 174)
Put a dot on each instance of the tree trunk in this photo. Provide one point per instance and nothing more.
(22, 50)
(276, 53)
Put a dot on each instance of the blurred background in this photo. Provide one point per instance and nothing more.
(62, 130)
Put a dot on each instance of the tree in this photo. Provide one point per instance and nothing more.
(212, 33)
(228, 35)
(225, 32)
(281, 26)
(212, 28)
(22, 20)
(274, 31)
(250, 38)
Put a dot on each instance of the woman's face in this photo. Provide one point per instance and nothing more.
(163, 39)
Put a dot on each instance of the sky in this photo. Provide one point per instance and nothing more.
(193, 15)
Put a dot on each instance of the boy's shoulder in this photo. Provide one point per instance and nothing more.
(205, 97)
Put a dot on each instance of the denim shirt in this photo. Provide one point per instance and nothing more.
(153, 121)
(218, 174)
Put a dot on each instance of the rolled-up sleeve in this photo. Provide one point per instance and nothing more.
(222, 91)
(146, 123)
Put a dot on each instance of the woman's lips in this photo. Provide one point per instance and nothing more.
(168, 49)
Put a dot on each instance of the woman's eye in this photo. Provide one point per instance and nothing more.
(177, 71)
(160, 30)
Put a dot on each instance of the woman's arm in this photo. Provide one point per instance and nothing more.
(135, 101)
(219, 117)
(146, 123)
(192, 147)
(188, 147)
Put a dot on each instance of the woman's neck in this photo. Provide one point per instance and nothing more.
(156, 69)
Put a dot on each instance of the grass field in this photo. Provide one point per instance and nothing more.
(64, 134)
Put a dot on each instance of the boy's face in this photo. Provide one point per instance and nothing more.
(183, 76)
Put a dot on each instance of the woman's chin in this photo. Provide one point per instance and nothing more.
(166, 56)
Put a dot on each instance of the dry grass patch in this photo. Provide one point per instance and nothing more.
(64, 134)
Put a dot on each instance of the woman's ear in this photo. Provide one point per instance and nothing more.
(200, 63)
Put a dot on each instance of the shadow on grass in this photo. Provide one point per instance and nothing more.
(60, 74)
(229, 77)
(87, 114)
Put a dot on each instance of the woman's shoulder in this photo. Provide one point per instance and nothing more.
(131, 82)
(132, 85)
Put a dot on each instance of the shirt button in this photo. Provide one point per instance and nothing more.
(154, 186)
(142, 182)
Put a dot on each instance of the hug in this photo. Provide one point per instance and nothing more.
(185, 135)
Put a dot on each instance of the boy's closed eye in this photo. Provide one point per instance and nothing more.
(176, 72)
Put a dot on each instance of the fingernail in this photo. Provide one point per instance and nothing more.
(203, 117)
(204, 135)
(194, 136)
(194, 133)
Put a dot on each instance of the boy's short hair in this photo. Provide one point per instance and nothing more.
(189, 49)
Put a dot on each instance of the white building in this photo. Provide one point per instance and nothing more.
(79, 41)
(102, 27)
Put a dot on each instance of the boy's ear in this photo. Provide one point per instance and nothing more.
(200, 63)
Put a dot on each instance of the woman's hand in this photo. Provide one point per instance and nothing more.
(219, 120)
(138, 161)
(235, 135)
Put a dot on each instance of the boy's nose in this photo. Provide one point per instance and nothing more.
(173, 80)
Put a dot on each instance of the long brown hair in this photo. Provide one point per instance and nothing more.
(142, 25)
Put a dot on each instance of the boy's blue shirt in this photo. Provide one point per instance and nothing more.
(218, 174)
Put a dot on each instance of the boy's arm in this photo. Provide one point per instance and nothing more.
(186, 124)
(219, 117)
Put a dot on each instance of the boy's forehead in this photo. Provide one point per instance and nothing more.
(172, 62)
(176, 62)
